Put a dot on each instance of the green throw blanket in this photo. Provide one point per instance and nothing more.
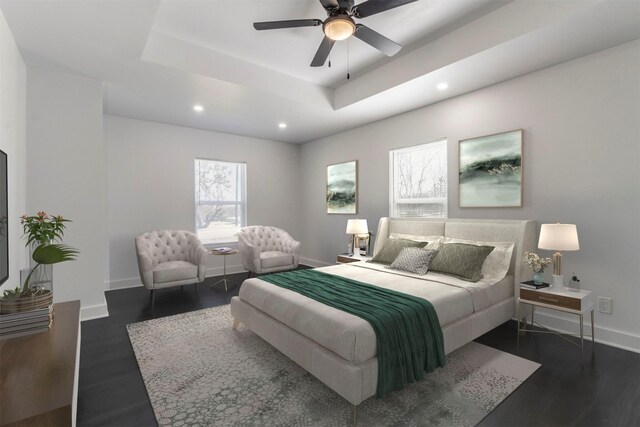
(408, 334)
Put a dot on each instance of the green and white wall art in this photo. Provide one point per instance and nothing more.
(491, 171)
(342, 188)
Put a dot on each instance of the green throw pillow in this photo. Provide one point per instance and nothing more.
(392, 248)
(460, 260)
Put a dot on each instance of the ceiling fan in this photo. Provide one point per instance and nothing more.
(340, 25)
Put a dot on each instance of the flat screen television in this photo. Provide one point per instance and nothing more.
(4, 226)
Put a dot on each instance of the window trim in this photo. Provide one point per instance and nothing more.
(393, 200)
(243, 204)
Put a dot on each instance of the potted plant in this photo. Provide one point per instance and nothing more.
(537, 264)
(44, 235)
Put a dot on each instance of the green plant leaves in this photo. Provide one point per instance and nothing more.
(54, 253)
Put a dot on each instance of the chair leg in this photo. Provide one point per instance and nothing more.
(153, 298)
(249, 276)
(181, 288)
(195, 285)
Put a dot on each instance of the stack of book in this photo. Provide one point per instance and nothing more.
(25, 322)
(529, 284)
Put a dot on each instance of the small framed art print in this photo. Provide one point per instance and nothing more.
(342, 188)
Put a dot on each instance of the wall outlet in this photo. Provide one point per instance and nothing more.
(604, 305)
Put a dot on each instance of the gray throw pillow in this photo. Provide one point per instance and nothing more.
(392, 247)
(460, 260)
(413, 260)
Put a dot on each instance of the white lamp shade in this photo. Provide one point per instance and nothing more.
(559, 237)
(357, 226)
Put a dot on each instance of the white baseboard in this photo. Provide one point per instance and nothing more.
(134, 282)
(94, 312)
(612, 337)
(313, 262)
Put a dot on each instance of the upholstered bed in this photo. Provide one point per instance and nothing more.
(339, 348)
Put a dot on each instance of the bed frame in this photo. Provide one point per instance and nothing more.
(357, 382)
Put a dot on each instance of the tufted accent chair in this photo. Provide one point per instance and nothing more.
(267, 249)
(169, 258)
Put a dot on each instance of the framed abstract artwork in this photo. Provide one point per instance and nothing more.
(490, 171)
(342, 188)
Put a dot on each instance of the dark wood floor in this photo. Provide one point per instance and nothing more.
(600, 390)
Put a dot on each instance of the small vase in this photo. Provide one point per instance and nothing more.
(538, 277)
(42, 277)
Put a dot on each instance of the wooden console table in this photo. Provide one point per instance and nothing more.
(39, 373)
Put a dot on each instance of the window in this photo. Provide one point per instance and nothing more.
(418, 181)
(221, 207)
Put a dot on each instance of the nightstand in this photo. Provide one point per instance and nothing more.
(573, 302)
(346, 259)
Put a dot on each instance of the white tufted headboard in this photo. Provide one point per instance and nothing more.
(521, 232)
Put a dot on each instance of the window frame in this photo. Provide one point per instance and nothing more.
(394, 198)
(242, 204)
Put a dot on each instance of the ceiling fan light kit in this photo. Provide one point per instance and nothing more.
(340, 25)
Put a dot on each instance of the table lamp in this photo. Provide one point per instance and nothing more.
(354, 228)
(558, 237)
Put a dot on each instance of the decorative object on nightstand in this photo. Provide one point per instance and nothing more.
(558, 237)
(530, 284)
(537, 264)
(574, 283)
(356, 227)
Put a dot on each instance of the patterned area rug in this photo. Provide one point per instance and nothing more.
(199, 372)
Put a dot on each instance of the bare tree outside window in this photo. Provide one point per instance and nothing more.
(220, 200)
(418, 181)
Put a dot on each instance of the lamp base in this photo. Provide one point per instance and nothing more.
(558, 282)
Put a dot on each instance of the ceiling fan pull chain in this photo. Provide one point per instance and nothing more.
(348, 76)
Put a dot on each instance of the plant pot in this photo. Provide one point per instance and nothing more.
(15, 305)
(42, 276)
(538, 277)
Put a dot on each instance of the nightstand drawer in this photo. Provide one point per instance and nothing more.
(551, 299)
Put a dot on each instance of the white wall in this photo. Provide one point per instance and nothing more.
(13, 109)
(66, 175)
(581, 122)
(151, 185)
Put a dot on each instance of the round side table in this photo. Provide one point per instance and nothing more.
(224, 254)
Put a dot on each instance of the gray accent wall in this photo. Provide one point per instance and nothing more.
(581, 157)
(66, 175)
(151, 185)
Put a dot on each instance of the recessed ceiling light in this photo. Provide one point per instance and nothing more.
(198, 107)
(443, 86)
(282, 125)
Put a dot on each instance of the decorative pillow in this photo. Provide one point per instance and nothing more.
(432, 241)
(392, 248)
(496, 266)
(461, 260)
(413, 260)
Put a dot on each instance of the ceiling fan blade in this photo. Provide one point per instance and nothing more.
(371, 7)
(329, 4)
(323, 52)
(274, 25)
(346, 4)
(377, 40)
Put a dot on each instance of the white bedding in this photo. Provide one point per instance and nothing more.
(353, 338)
